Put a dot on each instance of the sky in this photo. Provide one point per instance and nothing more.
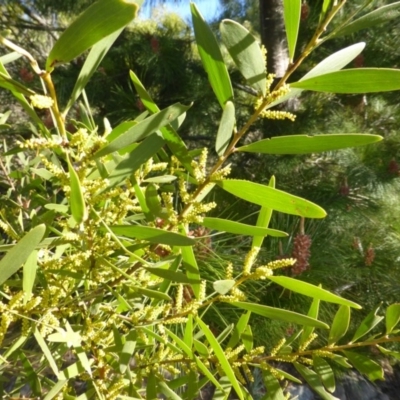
(210, 9)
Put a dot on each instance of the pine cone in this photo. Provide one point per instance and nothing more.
(301, 252)
(369, 256)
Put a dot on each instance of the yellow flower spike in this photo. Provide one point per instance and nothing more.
(285, 262)
(250, 259)
(40, 101)
(279, 345)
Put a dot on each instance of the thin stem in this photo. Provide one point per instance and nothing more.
(46, 76)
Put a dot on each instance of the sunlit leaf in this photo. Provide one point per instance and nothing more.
(274, 390)
(307, 289)
(272, 198)
(313, 313)
(211, 58)
(225, 129)
(136, 158)
(55, 389)
(387, 352)
(46, 352)
(369, 322)
(99, 20)
(29, 275)
(239, 228)
(127, 351)
(304, 144)
(365, 365)
(263, 219)
(334, 62)
(247, 339)
(357, 80)
(219, 353)
(174, 276)
(325, 372)
(167, 391)
(280, 314)
(92, 62)
(191, 266)
(20, 252)
(174, 141)
(380, 16)
(153, 235)
(143, 129)
(246, 53)
(392, 317)
(180, 343)
(238, 330)
(313, 379)
(223, 286)
(340, 324)
(292, 11)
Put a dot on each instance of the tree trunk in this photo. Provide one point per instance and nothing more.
(273, 36)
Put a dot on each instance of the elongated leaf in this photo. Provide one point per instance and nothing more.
(377, 17)
(369, 323)
(307, 289)
(340, 324)
(174, 276)
(207, 372)
(239, 228)
(92, 62)
(292, 11)
(387, 352)
(142, 153)
(324, 370)
(191, 266)
(55, 390)
(127, 352)
(154, 203)
(313, 313)
(334, 62)
(314, 381)
(46, 352)
(153, 235)
(225, 129)
(29, 275)
(153, 294)
(20, 253)
(24, 103)
(340, 360)
(239, 328)
(392, 317)
(263, 219)
(219, 353)
(365, 365)
(272, 198)
(31, 375)
(211, 58)
(246, 53)
(151, 387)
(14, 86)
(357, 80)
(304, 144)
(101, 19)
(174, 141)
(77, 201)
(166, 284)
(223, 286)
(188, 335)
(247, 339)
(278, 313)
(167, 391)
(274, 390)
(143, 129)
(10, 57)
(180, 343)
